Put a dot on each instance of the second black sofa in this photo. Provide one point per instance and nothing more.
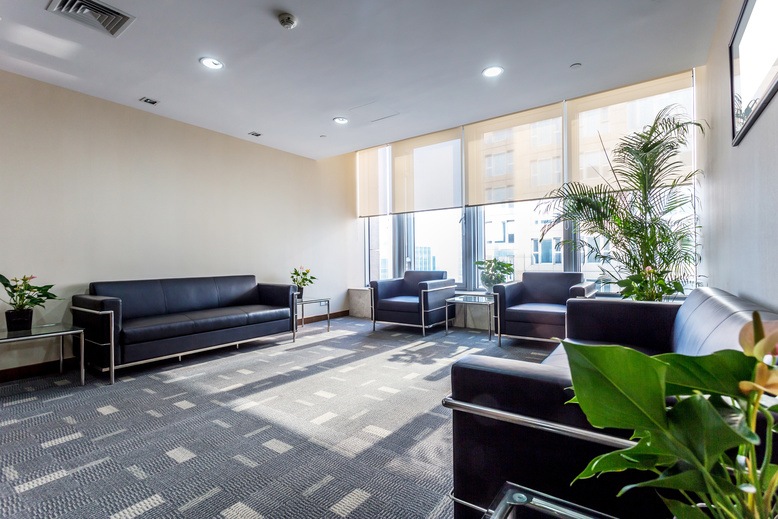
(131, 322)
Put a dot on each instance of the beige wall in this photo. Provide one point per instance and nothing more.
(91, 190)
(740, 187)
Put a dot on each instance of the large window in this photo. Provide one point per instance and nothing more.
(421, 218)
(438, 241)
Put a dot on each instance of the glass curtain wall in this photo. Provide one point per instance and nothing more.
(425, 211)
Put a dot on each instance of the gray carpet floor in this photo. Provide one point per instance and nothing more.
(346, 423)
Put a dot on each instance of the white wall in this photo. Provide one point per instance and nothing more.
(740, 186)
(91, 190)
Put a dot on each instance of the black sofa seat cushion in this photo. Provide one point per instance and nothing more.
(400, 304)
(217, 318)
(155, 327)
(543, 313)
(263, 313)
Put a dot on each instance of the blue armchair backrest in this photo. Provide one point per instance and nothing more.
(412, 278)
(549, 287)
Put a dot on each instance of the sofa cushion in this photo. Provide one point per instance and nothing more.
(256, 314)
(140, 298)
(549, 287)
(543, 313)
(217, 319)
(412, 278)
(143, 329)
(400, 304)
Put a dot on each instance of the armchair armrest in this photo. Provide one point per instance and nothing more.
(583, 289)
(433, 294)
(385, 288)
(644, 324)
(509, 294)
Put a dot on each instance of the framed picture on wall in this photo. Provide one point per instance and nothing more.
(753, 63)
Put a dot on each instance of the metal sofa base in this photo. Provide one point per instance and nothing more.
(112, 367)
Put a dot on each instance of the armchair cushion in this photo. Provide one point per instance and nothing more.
(537, 313)
(412, 278)
(400, 304)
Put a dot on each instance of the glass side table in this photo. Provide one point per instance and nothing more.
(489, 301)
(302, 302)
(513, 501)
(48, 331)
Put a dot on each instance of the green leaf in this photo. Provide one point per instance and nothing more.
(697, 428)
(681, 510)
(618, 387)
(642, 456)
(718, 373)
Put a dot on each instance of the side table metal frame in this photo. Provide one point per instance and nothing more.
(492, 314)
(303, 302)
(73, 331)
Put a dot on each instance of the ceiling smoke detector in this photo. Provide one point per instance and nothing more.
(288, 21)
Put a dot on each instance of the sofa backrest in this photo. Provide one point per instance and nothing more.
(710, 319)
(412, 278)
(144, 298)
(548, 287)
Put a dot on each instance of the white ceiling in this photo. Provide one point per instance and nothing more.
(395, 68)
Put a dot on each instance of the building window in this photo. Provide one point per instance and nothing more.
(499, 164)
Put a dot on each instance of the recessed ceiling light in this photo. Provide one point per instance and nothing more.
(211, 63)
(575, 66)
(340, 120)
(492, 71)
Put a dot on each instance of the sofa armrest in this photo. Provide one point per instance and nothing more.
(583, 289)
(95, 320)
(646, 325)
(276, 294)
(525, 388)
(433, 294)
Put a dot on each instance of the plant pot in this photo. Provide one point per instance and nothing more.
(18, 320)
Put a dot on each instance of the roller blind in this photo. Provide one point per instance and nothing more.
(516, 157)
(373, 177)
(616, 113)
(427, 172)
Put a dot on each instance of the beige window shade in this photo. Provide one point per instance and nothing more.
(602, 119)
(516, 157)
(373, 181)
(427, 172)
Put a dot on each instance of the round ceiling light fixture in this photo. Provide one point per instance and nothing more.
(211, 63)
(340, 120)
(287, 21)
(493, 71)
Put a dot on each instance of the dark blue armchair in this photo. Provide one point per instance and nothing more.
(416, 299)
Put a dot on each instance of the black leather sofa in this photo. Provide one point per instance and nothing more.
(512, 422)
(131, 322)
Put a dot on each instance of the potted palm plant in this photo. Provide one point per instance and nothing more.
(649, 245)
(23, 297)
(493, 271)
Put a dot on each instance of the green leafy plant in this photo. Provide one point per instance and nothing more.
(640, 212)
(703, 443)
(494, 271)
(23, 295)
(649, 285)
(302, 277)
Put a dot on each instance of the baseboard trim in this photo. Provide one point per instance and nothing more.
(317, 318)
(35, 370)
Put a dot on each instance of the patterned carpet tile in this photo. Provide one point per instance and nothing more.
(346, 423)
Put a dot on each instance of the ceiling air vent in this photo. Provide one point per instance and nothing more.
(97, 15)
(148, 100)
